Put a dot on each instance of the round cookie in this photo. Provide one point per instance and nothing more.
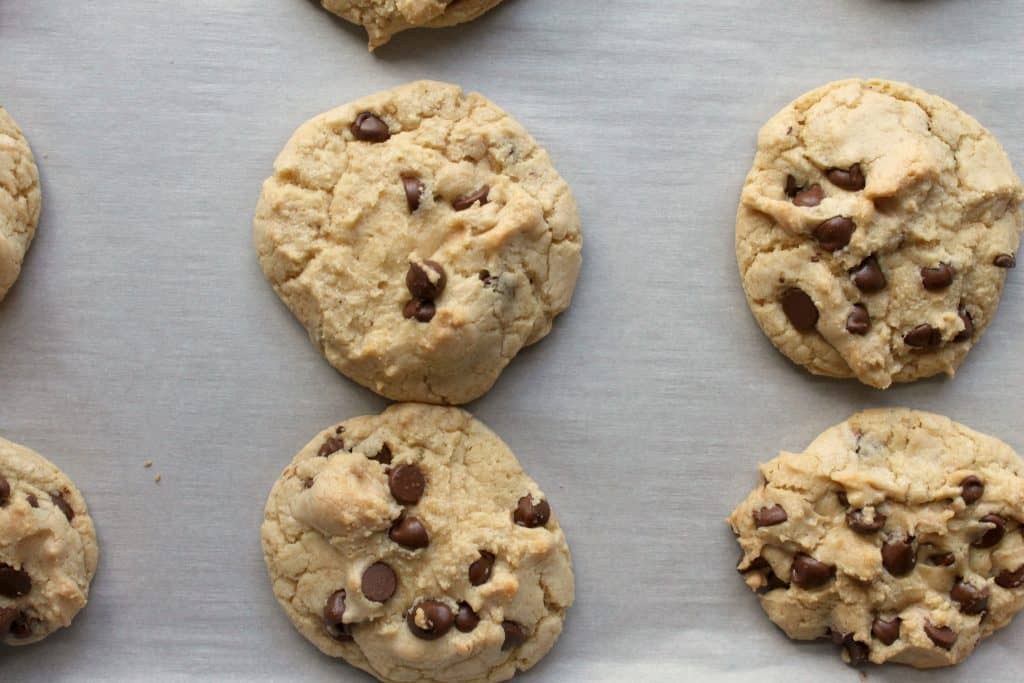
(897, 534)
(875, 231)
(412, 545)
(382, 19)
(48, 549)
(422, 238)
(19, 200)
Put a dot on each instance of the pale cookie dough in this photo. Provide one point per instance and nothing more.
(19, 200)
(875, 231)
(382, 19)
(897, 534)
(422, 238)
(48, 549)
(412, 545)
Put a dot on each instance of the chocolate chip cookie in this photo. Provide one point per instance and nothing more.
(897, 534)
(422, 237)
(382, 19)
(48, 549)
(19, 200)
(412, 545)
(875, 232)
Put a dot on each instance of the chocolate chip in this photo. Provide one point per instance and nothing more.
(968, 331)
(868, 276)
(857, 651)
(515, 635)
(7, 617)
(844, 500)
(466, 620)
(32, 500)
(886, 631)
(972, 600)
(857, 520)
(14, 583)
(332, 445)
(942, 636)
(972, 489)
(65, 507)
(792, 187)
(334, 617)
(379, 582)
(859, 321)
(1008, 579)
(994, 535)
(923, 337)
(530, 514)
(800, 309)
(942, 559)
(413, 187)
(812, 196)
(370, 128)
(835, 233)
(5, 494)
(410, 533)
(427, 281)
(770, 516)
(899, 556)
(852, 180)
(307, 483)
(771, 582)
(937, 278)
(20, 627)
(407, 484)
(466, 201)
(808, 572)
(383, 455)
(480, 571)
(423, 311)
(430, 619)
(1005, 261)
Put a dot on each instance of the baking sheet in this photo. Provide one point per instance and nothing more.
(142, 328)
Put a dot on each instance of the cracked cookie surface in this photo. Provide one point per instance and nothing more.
(422, 237)
(413, 545)
(48, 550)
(897, 534)
(875, 232)
(382, 19)
(19, 200)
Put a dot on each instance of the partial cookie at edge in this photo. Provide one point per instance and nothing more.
(19, 200)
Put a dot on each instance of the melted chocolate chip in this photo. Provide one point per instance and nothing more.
(972, 489)
(968, 321)
(800, 309)
(770, 516)
(413, 187)
(480, 571)
(379, 582)
(430, 619)
(937, 278)
(530, 514)
(942, 559)
(410, 533)
(972, 600)
(332, 445)
(427, 281)
(466, 620)
(886, 631)
(835, 233)
(851, 180)
(899, 556)
(423, 311)
(1005, 261)
(942, 636)
(868, 276)
(65, 507)
(407, 484)
(808, 572)
(812, 196)
(859, 321)
(993, 536)
(923, 337)
(857, 520)
(383, 455)
(370, 128)
(515, 635)
(14, 583)
(1008, 579)
(334, 617)
(5, 494)
(466, 201)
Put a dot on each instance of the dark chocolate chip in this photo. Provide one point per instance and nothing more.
(771, 582)
(423, 311)
(334, 616)
(1005, 261)
(899, 557)
(859, 321)
(800, 309)
(843, 498)
(808, 572)
(65, 507)
(383, 455)
(430, 619)
(851, 180)
(1008, 579)
(868, 276)
(332, 445)
(942, 636)
(515, 635)
(480, 571)
(530, 514)
(810, 197)
(770, 516)
(410, 533)
(886, 631)
(32, 500)
(972, 489)
(20, 627)
(923, 337)
(370, 128)
(413, 187)
(972, 600)
(5, 495)
(993, 536)
(7, 617)
(942, 559)
(857, 651)
(968, 321)
(407, 484)
(857, 520)
(835, 233)
(937, 278)
(426, 281)
(379, 582)
(466, 620)
(14, 583)
(466, 201)
(792, 187)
